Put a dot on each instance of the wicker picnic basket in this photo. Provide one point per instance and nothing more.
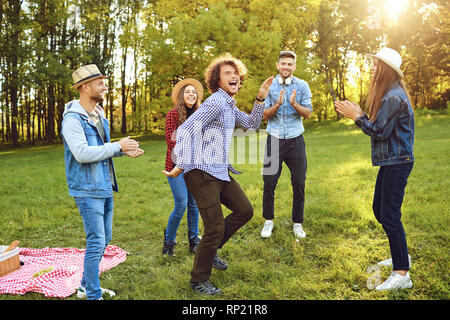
(9, 261)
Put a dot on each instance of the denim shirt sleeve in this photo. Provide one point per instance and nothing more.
(305, 98)
(385, 121)
(75, 137)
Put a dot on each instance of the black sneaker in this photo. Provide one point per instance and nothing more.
(168, 246)
(168, 249)
(219, 264)
(205, 288)
(193, 243)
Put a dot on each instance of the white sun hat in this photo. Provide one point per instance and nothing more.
(391, 57)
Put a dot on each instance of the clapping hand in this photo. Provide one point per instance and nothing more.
(264, 89)
(127, 144)
(280, 99)
(348, 109)
(134, 153)
(292, 98)
(130, 147)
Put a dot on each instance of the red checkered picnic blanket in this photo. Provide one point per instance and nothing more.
(55, 272)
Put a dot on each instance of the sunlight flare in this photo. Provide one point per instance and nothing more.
(394, 8)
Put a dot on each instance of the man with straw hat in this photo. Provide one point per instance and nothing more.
(91, 179)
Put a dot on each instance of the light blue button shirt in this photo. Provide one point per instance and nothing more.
(286, 123)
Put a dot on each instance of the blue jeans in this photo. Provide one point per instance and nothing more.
(183, 199)
(387, 203)
(97, 216)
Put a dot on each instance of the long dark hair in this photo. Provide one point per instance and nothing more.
(181, 107)
(383, 78)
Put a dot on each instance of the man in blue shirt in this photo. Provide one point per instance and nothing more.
(288, 101)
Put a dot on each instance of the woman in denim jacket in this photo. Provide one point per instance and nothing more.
(390, 124)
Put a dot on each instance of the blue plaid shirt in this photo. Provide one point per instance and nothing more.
(204, 139)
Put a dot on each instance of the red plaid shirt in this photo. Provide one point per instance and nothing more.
(171, 127)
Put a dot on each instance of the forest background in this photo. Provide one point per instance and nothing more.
(145, 47)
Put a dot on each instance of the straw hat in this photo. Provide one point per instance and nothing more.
(85, 74)
(176, 89)
(391, 57)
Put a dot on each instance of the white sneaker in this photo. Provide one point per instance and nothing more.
(395, 281)
(81, 292)
(267, 229)
(298, 230)
(388, 262)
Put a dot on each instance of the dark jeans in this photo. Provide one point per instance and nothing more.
(292, 152)
(210, 193)
(387, 202)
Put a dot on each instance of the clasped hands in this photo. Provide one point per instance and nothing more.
(130, 147)
(291, 98)
(348, 109)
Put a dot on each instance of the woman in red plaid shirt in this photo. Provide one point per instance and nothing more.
(186, 97)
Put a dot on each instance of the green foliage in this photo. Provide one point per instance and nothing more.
(343, 238)
(145, 47)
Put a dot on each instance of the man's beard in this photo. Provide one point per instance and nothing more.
(98, 98)
(282, 74)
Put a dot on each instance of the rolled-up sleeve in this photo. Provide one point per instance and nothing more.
(306, 95)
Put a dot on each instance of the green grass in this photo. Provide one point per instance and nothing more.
(343, 238)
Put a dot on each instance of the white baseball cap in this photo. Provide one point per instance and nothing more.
(391, 57)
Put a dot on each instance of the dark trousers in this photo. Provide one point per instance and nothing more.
(210, 193)
(387, 202)
(292, 152)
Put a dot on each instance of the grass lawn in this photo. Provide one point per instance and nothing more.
(343, 238)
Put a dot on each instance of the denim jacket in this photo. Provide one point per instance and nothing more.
(286, 123)
(86, 155)
(392, 133)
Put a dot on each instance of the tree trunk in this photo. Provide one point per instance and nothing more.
(13, 67)
(50, 129)
(124, 95)
(28, 114)
(61, 82)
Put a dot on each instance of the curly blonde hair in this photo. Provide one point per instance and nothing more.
(212, 73)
